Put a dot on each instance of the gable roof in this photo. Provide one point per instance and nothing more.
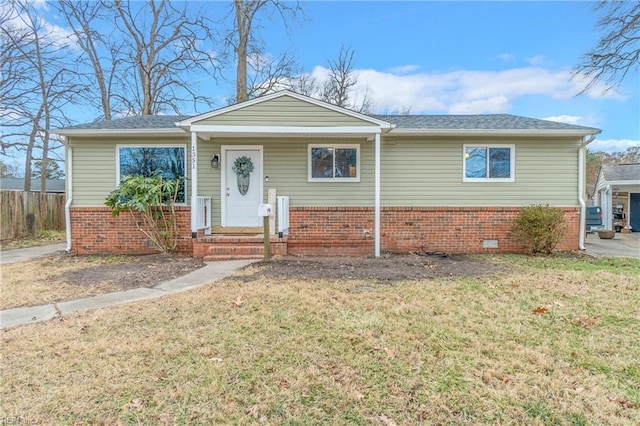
(137, 124)
(482, 123)
(485, 124)
(621, 173)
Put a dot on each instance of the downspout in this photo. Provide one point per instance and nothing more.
(377, 196)
(69, 192)
(581, 186)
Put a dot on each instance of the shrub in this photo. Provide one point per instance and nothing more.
(540, 228)
(151, 203)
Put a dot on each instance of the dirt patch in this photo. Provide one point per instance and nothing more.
(61, 277)
(388, 268)
(131, 272)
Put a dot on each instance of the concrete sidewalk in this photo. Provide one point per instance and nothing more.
(210, 273)
(22, 255)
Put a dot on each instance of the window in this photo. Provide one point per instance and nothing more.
(165, 161)
(493, 163)
(334, 163)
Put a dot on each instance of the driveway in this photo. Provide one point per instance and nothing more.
(624, 245)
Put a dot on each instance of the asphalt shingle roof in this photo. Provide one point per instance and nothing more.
(622, 172)
(416, 122)
(476, 122)
(134, 122)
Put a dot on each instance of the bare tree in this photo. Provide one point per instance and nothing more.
(164, 47)
(339, 87)
(304, 84)
(101, 51)
(341, 79)
(618, 50)
(267, 74)
(248, 48)
(44, 84)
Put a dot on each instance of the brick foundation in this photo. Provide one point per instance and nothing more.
(349, 230)
(334, 231)
(95, 231)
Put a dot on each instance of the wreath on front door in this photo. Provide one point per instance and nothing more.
(242, 167)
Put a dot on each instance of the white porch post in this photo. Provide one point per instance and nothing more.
(377, 196)
(194, 184)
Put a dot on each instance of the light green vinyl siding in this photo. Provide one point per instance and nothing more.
(94, 166)
(284, 111)
(285, 162)
(428, 172)
(415, 172)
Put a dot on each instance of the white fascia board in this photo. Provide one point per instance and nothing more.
(189, 122)
(490, 132)
(119, 132)
(613, 183)
(283, 130)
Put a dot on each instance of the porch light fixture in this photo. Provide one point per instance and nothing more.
(215, 161)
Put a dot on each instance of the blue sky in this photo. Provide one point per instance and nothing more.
(447, 57)
(468, 57)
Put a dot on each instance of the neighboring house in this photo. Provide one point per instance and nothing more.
(17, 184)
(345, 183)
(618, 193)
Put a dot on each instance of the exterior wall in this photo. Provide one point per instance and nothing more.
(94, 165)
(349, 231)
(285, 162)
(429, 172)
(284, 111)
(415, 172)
(95, 231)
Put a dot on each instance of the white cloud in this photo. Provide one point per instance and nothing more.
(536, 61)
(47, 30)
(506, 57)
(464, 91)
(568, 119)
(612, 145)
(404, 69)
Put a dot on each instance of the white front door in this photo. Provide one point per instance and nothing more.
(240, 203)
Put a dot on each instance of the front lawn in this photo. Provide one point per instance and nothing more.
(541, 342)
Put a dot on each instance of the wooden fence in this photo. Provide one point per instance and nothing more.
(25, 212)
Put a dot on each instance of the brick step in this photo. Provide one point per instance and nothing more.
(232, 239)
(228, 249)
(219, 257)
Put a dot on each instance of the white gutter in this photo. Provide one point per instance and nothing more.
(581, 186)
(69, 191)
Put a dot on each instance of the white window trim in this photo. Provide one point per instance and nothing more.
(146, 145)
(333, 179)
(512, 162)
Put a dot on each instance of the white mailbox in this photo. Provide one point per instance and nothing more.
(264, 210)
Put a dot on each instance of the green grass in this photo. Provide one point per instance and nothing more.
(447, 351)
(578, 263)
